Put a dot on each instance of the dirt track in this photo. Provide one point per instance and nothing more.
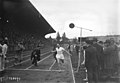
(47, 71)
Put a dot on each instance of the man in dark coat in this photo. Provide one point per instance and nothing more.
(77, 47)
(91, 62)
(100, 53)
(35, 55)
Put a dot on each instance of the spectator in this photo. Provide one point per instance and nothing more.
(111, 56)
(115, 56)
(77, 47)
(100, 54)
(4, 51)
(71, 49)
(1, 59)
(5, 48)
(19, 50)
(91, 62)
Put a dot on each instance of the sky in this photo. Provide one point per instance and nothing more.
(100, 16)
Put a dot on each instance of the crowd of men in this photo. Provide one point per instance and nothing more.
(99, 57)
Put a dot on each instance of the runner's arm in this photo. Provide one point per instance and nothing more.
(67, 52)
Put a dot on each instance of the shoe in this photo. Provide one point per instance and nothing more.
(86, 80)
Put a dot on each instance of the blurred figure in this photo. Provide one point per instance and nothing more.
(19, 49)
(5, 48)
(115, 56)
(68, 48)
(6, 40)
(77, 48)
(35, 55)
(119, 50)
(100, 57)
(111, 57)
(106, 51)
(83, 62)
(101, 43)
(71, 48)
(4, 51)
(54, 51)
(1, 59)
(59, 55)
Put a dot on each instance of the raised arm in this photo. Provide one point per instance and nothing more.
(67, 52)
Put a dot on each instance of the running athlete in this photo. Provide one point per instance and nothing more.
(35, 55)
(59, 56)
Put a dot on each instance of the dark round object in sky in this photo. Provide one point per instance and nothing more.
(71, 25)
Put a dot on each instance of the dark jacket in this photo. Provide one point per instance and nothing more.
(99, 51)
(99, 48)
(34, 53)
(54, 49)
(91, 58)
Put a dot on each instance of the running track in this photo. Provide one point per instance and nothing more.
(47, 71)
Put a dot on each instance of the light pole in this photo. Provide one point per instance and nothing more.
(72, 26)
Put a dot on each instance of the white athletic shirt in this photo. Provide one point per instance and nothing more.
(60, 53)
(5, 47)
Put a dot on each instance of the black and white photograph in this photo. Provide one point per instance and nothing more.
(59, 41)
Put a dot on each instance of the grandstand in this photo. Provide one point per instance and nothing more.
(21, 22)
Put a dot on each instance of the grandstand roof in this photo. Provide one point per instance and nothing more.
(25, 17)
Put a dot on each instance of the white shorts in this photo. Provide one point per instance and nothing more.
(60, 56)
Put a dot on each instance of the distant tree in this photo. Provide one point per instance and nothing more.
(50, 38)
(75, 40)
(58, 37)
(64, 38)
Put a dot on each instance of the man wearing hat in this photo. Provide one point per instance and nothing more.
(91, 62)
(19, 49)
(35, 55)
(100, 54)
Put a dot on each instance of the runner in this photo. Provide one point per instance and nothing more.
(60, 56)
(19, 50)
(1, 59)
(35, 55)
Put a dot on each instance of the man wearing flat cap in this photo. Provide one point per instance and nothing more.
(91, 62)
(35, 55)
(100, 54)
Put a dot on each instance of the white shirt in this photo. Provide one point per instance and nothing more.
(4, 49)
(60, 50)
(60, 53)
